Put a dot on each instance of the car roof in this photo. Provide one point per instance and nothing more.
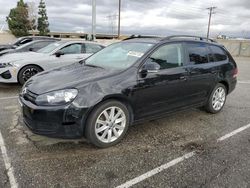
(78, 41)
(174, 38)
(37, 37)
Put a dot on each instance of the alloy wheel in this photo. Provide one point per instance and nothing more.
(28, 73)
(219, 98)
(110, 124)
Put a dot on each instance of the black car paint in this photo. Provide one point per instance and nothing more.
(147, 96)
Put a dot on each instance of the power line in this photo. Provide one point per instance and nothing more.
(211, 11)
(113, 22)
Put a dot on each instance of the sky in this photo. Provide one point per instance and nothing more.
(148, 17)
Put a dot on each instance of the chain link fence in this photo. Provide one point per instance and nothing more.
(238, 48)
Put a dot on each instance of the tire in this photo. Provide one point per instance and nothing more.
(219, 97)
(107, 133)
(27, 72)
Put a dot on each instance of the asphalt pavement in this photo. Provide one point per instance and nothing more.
(37, 161)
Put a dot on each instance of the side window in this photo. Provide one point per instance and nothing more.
(92, 48)
(219, 54)
(198, 53)
(168, 56)
(72, 49)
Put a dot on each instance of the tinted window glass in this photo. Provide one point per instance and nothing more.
(198, 53)
(219, 54)
(72, 49)
(168, 56)
(92, 48)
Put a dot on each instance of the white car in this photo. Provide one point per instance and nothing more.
(19, 67)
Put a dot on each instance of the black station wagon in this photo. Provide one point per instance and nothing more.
(134, 80)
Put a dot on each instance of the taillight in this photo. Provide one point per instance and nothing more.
(235, 72)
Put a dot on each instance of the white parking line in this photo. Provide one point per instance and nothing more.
(8, 167)
(156, 170)
(175, 161)
(233, 133)
(244, 82)
(6, 98)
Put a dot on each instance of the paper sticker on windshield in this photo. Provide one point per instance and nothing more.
(135, 54)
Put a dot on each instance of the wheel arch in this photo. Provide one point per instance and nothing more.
(120, 98)
(225, 83)
(26, 66)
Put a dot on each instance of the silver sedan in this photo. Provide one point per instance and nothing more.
(19, 67)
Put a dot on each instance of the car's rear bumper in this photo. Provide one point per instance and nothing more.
(232, 85)
(57, 122)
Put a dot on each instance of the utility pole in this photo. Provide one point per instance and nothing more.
(1, 30)
(93, 34)
(119, 20)
(211, 11)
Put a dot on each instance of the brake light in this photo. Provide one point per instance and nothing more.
(235, 72)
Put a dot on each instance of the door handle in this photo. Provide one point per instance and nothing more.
(183, 78)
(214, 72)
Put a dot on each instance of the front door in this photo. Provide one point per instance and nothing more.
(165, 89)
(71, 53)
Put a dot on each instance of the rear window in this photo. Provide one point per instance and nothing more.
(218, 53)
(198, 53)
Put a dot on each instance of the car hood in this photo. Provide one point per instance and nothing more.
(72, 76)
(5, 46)
(13, 57)
(6, 51)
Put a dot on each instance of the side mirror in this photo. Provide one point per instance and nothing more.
(31, 49)
(151, 67)
(59, 53)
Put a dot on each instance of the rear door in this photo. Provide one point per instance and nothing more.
(202, 71)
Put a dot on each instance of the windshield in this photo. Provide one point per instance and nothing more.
(25, 45)
(119, 56)
(50, 48)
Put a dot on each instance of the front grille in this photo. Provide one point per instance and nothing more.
(29, 96)
(42, 127)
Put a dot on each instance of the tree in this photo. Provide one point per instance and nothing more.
(18, 20)
(32, 12)
(43, 23)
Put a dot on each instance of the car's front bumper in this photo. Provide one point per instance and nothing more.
(58, 122)
(8, 75)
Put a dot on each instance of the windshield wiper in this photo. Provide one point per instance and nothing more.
(95, 66)
(82, 61)
(89, 65)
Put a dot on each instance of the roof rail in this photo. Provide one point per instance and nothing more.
(189, 36)
(139, 36)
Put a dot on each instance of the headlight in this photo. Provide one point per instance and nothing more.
(4, 65)
(60, 97)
